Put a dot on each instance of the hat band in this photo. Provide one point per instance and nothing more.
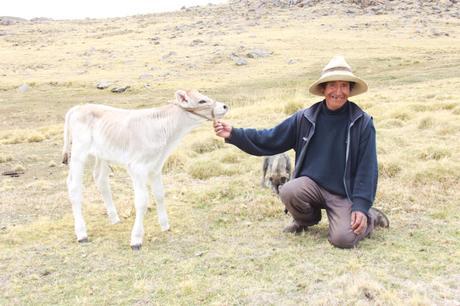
(345, 69)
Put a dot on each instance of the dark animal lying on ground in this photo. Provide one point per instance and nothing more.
(276, 171)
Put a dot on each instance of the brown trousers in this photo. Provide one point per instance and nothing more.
(304, 199)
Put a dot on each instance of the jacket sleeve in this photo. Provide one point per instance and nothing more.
(365, 182)
(272, 141)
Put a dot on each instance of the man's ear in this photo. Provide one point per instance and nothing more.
(182, 97)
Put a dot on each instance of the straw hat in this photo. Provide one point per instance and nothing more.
(338, 70)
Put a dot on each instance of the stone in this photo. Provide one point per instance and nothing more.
(103, 84)
(239, 61)
(196, 42)
(23, 88)
(119, 89)
(168, 55)
(258, 53)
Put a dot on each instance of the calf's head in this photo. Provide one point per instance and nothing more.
(200, 105)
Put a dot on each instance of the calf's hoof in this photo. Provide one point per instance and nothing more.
(83, 240)
(136, 247)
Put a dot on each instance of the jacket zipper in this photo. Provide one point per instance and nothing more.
(347, 153)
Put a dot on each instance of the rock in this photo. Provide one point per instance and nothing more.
(435, 32)
(258, 53)
(239, 61)
(196, 42)
(119, 89)
(350, 12)
(155, 40)
(166, 56)
(23, 88)
(103, 84)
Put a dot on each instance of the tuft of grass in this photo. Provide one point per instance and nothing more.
(207, 145)
(205, 169)
(230, 157)
(448, 106)
(19, 168)
(419, 107)
(425, 123)
(391, 123)
(292, 107)
(5, 158)
(175, 161)
(21, 136)
(35, 137)
(432, 153)
(434, 171)
(401, 115)
(389, 169)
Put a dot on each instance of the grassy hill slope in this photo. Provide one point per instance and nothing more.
(226, 244)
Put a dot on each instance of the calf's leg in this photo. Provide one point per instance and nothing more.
(158, 191)
(141, 197)
(75, 189)
(101, 177)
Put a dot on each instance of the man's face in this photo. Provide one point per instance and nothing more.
(336, 93)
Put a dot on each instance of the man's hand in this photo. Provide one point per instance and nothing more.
(222, 129)
(358, 222)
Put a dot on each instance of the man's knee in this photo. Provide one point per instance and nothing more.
(287, 192)
(344, 240)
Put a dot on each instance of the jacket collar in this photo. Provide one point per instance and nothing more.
(311, 113)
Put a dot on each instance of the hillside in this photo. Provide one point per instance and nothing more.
(226, 245)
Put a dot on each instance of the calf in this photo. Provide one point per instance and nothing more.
(139, 139)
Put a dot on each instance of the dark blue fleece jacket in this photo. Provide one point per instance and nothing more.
(361, 170)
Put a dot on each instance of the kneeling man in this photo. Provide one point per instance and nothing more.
(336, 158)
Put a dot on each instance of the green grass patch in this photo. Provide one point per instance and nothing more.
(205, 169)
(207, 145)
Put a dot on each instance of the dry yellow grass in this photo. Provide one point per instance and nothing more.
(226, 245)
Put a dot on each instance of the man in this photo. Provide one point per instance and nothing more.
(336, 158)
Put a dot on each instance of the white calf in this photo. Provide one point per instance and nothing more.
(139, 139)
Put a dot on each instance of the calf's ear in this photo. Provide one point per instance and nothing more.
(182, 97)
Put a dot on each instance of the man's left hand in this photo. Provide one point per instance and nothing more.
(358, 222)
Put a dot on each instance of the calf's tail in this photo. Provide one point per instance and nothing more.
(67, 138)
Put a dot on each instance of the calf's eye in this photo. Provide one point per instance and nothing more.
(202, 102)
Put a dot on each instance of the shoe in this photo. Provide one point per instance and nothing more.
(379, 218)
(294, 228)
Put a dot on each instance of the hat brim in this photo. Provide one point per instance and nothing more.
(359, 88)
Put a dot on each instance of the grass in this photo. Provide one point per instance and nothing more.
(226, 245)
